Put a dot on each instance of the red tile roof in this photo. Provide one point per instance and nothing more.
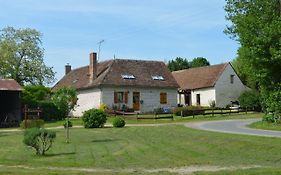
(196, 78)
(9, 85)
(109, 74)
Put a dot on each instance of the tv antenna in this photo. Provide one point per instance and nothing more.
(99, 43)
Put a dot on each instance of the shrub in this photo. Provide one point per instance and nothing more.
(188, 111)
(39, 139)
(270, 118)
(103, 107)
(38, 123)
(69, 124)
(250, 99)
(159, 110)
(212, 103)
(49, 111)
(118, 122)
(273, 101)
(94, 118)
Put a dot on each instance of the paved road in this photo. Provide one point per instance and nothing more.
(233, 126)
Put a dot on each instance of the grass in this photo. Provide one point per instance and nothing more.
(140, 148)
(266, 125)
(132, 120)
(254, 171)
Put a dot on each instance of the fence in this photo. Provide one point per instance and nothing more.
(214, 111)
(183, 113)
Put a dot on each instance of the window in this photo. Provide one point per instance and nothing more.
(198, 99)
(163, 98)
(128, 76)
(157, 77)
(120, 97)
(231, 79)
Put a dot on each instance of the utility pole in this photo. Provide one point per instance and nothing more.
(99, 43)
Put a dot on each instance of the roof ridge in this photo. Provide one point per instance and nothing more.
(127, 59)
(202, 67)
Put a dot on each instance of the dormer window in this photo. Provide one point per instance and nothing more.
(128, 76)
(157, 77)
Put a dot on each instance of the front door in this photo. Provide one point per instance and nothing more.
(136, 101)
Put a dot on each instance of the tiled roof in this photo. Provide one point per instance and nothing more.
(9, 85)
(110, 74)
(196, 78)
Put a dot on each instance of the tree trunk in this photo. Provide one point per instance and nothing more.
(67, 130)
(280, 6)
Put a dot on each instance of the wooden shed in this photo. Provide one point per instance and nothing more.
(10, 104)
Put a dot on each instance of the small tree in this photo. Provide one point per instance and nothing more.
(39, 139)
(65, 99)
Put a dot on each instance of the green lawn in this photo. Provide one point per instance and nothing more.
(266, 125)
(140, 148)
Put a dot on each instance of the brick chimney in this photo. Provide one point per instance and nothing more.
(67, 68)
(93, 66)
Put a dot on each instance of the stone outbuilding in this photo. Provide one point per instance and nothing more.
(204, 85)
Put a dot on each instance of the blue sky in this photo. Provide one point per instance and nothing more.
(131, 29)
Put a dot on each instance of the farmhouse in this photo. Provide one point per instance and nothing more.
(200, 86)
(139, 85)
(10, 106)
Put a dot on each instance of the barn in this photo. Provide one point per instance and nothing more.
(10, 105)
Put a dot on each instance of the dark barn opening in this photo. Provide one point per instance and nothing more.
(10, 105)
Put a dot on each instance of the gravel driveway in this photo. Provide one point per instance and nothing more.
(233, 126)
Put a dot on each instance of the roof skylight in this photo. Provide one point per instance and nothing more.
(157, 77)
(128, 76)
(74, 81)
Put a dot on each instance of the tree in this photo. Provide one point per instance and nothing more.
(178, 64)
(199, 62)
(21, 57)
(244, 72)
(65, 99)
(31, 95)
(256, 24)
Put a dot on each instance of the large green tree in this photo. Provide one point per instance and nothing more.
(199, 62)
(178, 64)
(21, 57)
(256, 25)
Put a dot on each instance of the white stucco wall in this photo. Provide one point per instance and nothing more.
(225, 91)
(87, 99)
(206, 95)
(150, 97)
(181, 99)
